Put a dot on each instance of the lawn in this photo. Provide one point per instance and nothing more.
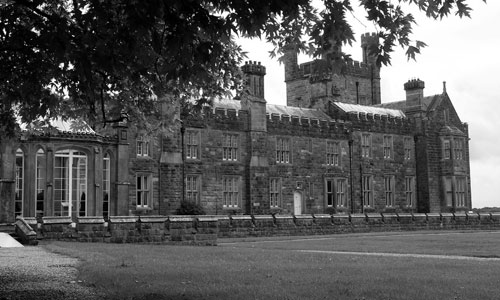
(276, 269)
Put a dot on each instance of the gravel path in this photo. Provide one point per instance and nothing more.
(35, 273)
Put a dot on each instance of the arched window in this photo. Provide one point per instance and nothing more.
(106, 185)
(18, 202)
(70, 183)
(41, 169)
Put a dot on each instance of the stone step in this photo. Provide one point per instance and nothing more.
(7, 228)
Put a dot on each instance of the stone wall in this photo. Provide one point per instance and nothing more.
(205, 230)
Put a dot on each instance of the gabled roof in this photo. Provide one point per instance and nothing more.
(429, 103)
(376, 110)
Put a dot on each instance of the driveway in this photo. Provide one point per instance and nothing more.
(35, 273)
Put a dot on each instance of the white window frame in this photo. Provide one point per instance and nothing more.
(283, 152)
(193, 187)
(19, 190)
(65, 187)
(447, 149)
(143, 147)
(366, 145)
(460, 191)
(410, 190)
(333, 153)
(192, 140)
(144, 190)
(388, 146)
(230, 146)
(458, 148)
(231, 191)
(336, 192)
(367, 190)
(40, 172)
(275, 192)
(407, 148)
(389, 186)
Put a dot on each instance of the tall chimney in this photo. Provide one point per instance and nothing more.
(414, 93)
(254, 73)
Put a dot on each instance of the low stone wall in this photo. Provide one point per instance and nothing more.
(205, 230)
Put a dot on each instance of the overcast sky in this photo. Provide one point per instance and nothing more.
(460, 52)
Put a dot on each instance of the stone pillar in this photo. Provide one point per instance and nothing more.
(121, 206)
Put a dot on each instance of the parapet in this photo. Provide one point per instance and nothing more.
(369, 38)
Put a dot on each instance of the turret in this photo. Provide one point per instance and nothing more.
(254, 73)
(254, 101)
(369, 42)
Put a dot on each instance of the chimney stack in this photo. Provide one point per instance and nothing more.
(254, 73)
(414, 93)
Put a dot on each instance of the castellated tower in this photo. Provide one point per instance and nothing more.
(316, 83)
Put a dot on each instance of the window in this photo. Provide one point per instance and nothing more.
(41, 168)
(366, 145)
(336, 192)
(283, 150)
(19, 198)
(192, 144)
(142, 147)
(106, 185)
(193, 188)
(389, 190)
(275, 192)
(143, 191)
(447, 149)
(230, 147)
(387, 146)
(448, 191)
(70, 183)
(458, 149)
(410, 190)
(407, 148)
(231, 192)
(460, 191)
(367, 191)
(332, 153)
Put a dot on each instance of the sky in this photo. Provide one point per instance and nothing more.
(463, 52)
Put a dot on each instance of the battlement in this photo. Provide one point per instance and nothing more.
(253, 67)
(369, 38)
(339, 126)
(320, 68)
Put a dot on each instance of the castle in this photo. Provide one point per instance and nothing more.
(335, 148)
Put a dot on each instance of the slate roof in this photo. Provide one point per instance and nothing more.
(67, 126)
(429, 103)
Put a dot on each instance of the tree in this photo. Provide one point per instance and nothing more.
(97, 58)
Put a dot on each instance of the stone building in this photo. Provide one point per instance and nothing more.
(335, 148)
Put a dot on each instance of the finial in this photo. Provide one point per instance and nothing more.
(444, 87)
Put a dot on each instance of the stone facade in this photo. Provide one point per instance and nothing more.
(334, 149)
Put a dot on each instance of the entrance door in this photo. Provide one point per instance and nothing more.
(297, 203)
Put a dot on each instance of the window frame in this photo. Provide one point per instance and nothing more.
(275, 192)
(143, 146)
(19, 183)
(333, 153)
(231, 191)
(230, 147)
(40, 181)
(283, 150)
(447, 149)
(192, 194)
(336, 195)
(146, 189)
(367, 190)
(407, 146)
(410, 189)
(192, 145)
(388, 143)
(389, 190)
(366, 145)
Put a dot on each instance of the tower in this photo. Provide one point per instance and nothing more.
(369, 44)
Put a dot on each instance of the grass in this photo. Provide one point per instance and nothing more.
(273, 269)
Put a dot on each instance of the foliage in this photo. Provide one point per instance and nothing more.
(96, 58)
(190, 208)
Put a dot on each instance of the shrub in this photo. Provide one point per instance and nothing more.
(190, 208)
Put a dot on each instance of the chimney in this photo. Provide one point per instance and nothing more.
(254, 73)
(414, 93)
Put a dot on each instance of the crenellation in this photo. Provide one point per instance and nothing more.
(231, 113)
(295, 120)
